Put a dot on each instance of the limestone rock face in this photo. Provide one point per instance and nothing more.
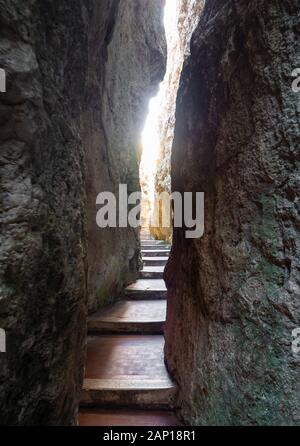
(131, 61)
(60, 138)
(186, 18)
(234, 294)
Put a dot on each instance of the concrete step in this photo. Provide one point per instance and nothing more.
(152, 272)
(127, 371)
(136, 316)
(155, 252)
(127, 418)
(155, 261)
(147, 289)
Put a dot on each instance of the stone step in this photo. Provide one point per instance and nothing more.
(127, 371)
(147, 289)
(152, 272)
(154, 247)
(136, 316)
(155, 252)
(126, 418)
(156, 243)
(152, 242)
(155, 261)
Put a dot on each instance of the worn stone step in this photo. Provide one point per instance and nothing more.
(127, 418)
(161, 248)
(152, 272)
(147, 289)
(127, 371)
(161, 245)
(155, 252)
(155, 261)
(155, 248)
(152, 242)
(136, 316)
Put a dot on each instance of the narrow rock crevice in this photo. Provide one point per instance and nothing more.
(85, 309)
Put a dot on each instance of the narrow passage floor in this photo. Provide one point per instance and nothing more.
(126, 381)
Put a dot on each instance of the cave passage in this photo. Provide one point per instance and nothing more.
(131, 355)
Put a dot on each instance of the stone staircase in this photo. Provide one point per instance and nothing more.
(126, 381)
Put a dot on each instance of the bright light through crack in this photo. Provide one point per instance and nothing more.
(150, 135)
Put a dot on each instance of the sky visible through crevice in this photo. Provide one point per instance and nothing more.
(150, 134)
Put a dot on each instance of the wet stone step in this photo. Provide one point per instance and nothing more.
(127, 371)
(147, 289)
(152, 272)
(130, 317)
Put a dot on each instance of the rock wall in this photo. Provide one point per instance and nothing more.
(233, 295)
(60, 143)
(131, 60)
(179, 35)
(43, 257)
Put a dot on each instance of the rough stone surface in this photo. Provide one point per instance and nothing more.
(131, 61)
(42, 302)
(179, 36)
(234, 294)
(57, 145)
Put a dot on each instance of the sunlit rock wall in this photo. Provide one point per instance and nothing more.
(179, 34)
(125, 66)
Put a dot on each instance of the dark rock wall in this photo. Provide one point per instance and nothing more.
(55, 140)
(234, 294)
(42, 303)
